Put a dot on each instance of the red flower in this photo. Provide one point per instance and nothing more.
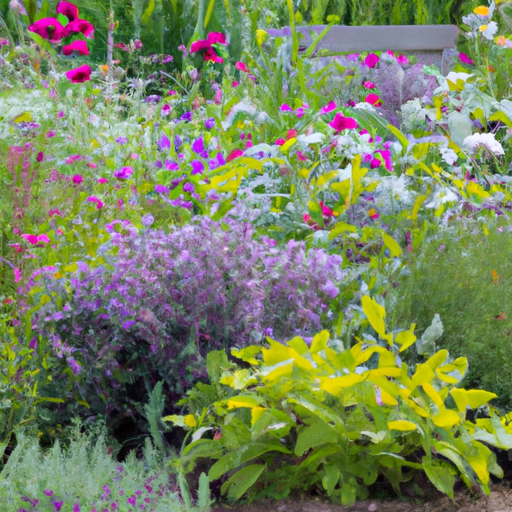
(340, 122)
(68, 9)
(48, 28)
(83, 26)
(78, 46)
(79, 75)
(373, 99)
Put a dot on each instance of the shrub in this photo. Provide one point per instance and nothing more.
(464, 277)
(307, 417)
(161, 301)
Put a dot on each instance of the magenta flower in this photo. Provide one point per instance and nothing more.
(465, 59)
(17, 275)
(36, 239)
(79, 75)
(102, 180)
(369, 85)
(340, 122)
(40, 156)
(77, 179)
(285, 108)
(96, 200)
(76, 46)
(49, 28)
(201, 44)
(124, 173)
(241, 67)
(48, 492)
(161, 189)
(236, 153)
(166, 110)
(68, 9)
(371, 60)
(373, 99)
(328, 108)
(216, 37)
(402, 59)
(82, 26)
(210, 55)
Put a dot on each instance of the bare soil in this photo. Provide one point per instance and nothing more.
(500, 500)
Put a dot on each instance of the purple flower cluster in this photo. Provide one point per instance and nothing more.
(164, 300)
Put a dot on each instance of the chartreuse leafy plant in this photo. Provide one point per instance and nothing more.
(301, 416)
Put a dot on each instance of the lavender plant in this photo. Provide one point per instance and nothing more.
(161, 301)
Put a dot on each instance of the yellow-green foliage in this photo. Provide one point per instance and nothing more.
(305, 416)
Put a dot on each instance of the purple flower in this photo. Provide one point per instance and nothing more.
(171, 166)
(48, 492)
(154, 98)
(164, 143)
(128, 324)
(57, 505)
(178, 141)
(132, 500)
(76, 507)
(75, 367)
(124, 173)
(198, 145)
(161, 189)
(122, 140)
(188, 187)
(187, 116)
(167, 58)
(209, 123)
(197, 167)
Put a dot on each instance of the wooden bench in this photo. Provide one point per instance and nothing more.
(430, 44)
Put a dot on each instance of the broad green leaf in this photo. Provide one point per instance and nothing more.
(242, 481)
(330, 479)
(460, 127)
(148, 12)
(209, 12)
(442, 478)
(316, 434)
(349, 492)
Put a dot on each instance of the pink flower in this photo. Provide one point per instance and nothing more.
(373, 99)
(166, 110)
(94, 199)
(40, 156)
(301, 156)
(49, 28)
(285, 108)
(236, 153)
(79, 75)
(78, 46)
(235, 83)
(17, 274)
(201, 44)
(291, 134)
(51, 213)
(77, 179)
(371, 60)
(82, 26)
(340, 122)
(172, 93)
(124, 173)
(92, 165)
(68, 9)
(327, 212)
(369, 85)
(241, 67)
(402, 59)
(299, 112)
(36, 239)
(102, 180)
(216, 37)
(328, 108)
(280, 142)
(465, 59)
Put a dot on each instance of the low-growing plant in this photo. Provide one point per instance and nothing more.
(313, 415)
(160, 302)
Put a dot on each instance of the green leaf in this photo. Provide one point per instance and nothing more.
(317, 433)
(329, 481)
(349, 492)
(460, 127)
(148, 12)
(441, 477)
(208, 14)
(241, 481)
(399, 135)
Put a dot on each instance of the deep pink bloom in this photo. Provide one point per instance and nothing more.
(280, 142)
(78, 46)
(328, 108)
(465, 59)
(291, 134)
(17, 274)
(340, 122)
(77, 179)
(234, 154)
(373, 99)
(386, 156)
(166, 110)
(79, 75)
(241, 67)
(83, 26)
(210, 55)
(327, 212)
(402, 59)
(40, 156)
(102, 180)
(371, 60)
(92, 165)
(49, 28)
(124, 173)
(285, 108)
(301, 156)
(201, 44)
(216, 37)
(94, 199)
(36, 239)
(68, 9)
(369, 85)
(235, 83)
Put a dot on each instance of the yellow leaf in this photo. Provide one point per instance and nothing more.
(190, 421)
(387, 399)
(433, 394)
(288, 144)
(406, 338)
(25, 117)
(473, 398)
(44, 299)
(375, 314)
(437, 359)
(402, 425)
(335, 385)
(423, 374)
(243, 401)
(446, 418)
(319, 342)
(392, 245)
(71, 268)
(399, 135)
(256, 414)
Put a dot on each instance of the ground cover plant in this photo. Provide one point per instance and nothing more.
(200, 226)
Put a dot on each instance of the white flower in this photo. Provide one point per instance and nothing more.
(448, 155)
(314, 138)
(455, 77)
(489, 30)
(473, 142)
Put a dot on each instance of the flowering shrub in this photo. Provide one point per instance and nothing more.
(162, 301)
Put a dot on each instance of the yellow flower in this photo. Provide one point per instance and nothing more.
(260, 36)
(483, 28)
(481, 10)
